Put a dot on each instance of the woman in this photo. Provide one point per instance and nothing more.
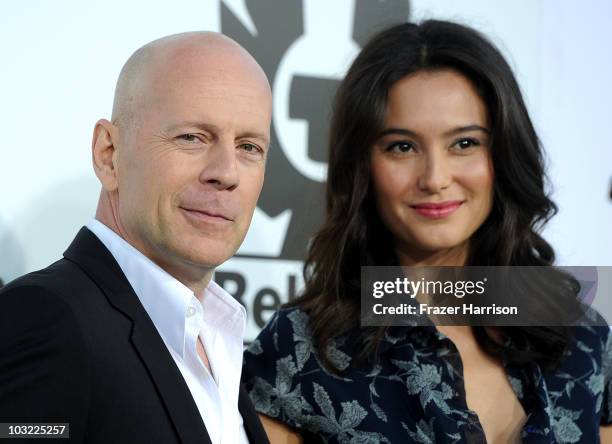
(433, 161)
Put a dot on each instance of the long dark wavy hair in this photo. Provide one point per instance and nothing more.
(353, 234)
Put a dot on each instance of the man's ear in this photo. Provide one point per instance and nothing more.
(104, 154)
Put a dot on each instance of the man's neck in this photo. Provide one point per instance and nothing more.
(193, 277)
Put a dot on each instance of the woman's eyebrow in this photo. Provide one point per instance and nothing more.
(397, 131)
(463, 129)
(411, 133)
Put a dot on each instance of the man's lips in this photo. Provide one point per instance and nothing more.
(207, 215)
(437, 210)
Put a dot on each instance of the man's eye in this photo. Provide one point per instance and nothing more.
(189, 137)
(250, 147)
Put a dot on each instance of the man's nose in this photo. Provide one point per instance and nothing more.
(221, 166)
(435, 174)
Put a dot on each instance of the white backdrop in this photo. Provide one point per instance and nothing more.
(60, 60)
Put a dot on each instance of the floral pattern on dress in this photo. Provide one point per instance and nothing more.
(414, 392)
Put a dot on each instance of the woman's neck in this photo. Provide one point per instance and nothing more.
(455, 256)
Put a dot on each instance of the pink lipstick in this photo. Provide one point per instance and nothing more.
(437, 210)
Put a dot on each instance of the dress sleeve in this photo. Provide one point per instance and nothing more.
(271, 372)
(606, 359)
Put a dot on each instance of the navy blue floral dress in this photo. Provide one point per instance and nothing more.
(415, 393)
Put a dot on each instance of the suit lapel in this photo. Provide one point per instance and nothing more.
(252, 424)
(170, 383)
(92, 256)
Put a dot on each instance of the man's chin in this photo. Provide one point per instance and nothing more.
(210, 253)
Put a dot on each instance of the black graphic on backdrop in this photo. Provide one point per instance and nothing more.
(279, 23)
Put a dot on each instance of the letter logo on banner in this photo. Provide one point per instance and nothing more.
(305, 49)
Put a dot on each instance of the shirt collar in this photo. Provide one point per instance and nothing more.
(165, 299)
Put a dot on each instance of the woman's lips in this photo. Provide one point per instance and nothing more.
(437, 210)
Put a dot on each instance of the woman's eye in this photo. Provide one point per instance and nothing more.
(466, 143)
(400, 147)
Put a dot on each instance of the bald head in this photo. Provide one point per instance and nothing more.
(163, 63)
(182, 163)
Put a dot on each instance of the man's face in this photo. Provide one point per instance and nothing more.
(191, 164)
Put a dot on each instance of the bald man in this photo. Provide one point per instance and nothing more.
(127, 338)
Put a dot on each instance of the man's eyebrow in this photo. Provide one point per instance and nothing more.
(215, 129)
(408, 132)
(194, 124)
(254, 135)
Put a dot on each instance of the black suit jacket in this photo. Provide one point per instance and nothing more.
(77, 346)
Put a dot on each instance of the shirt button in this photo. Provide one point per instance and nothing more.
(190, 312)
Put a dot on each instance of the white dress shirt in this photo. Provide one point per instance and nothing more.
(219, 320)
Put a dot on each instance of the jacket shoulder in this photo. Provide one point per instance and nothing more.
(44, 360)
(63, 280)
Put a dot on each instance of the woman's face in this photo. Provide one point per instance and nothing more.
(431, 168)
